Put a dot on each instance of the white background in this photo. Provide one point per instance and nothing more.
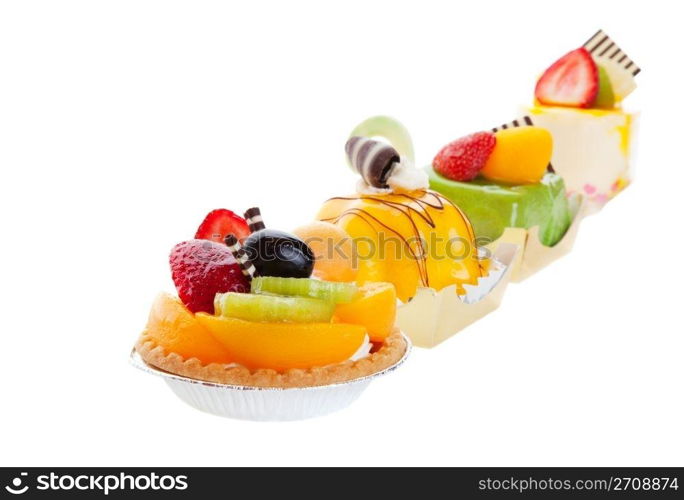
(123, 123)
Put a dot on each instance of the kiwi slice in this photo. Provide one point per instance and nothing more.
(605, 98)
(330, 291)
(273, 308)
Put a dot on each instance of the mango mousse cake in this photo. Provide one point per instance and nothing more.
(579, 99)
(249, 314)
(408, 235)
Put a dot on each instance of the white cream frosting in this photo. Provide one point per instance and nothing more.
(405, 177)
(362, 351)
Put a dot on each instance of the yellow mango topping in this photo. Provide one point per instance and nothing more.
(409, 240)
(520, 156)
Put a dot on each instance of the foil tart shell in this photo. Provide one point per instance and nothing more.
(265, 403)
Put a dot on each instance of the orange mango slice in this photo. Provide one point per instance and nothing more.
(375, 307)
(172, 326)
(282, 346)
(520, 156)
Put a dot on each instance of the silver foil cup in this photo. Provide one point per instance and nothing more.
(265, 403)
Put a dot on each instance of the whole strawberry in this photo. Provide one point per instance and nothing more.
(462, 159)
(201, 269)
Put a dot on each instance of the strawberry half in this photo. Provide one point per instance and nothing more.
(201, 269)
(220, 223)
(573, 80)
(462, 159)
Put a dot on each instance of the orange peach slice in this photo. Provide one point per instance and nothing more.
(374, 307)
(333, 249)
(172, 326)
(282, 346)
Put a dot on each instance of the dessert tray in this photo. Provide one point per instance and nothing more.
(270, 325)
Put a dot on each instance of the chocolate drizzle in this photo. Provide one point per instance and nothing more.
(415, 206)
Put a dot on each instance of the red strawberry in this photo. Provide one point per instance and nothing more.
(462, 159)
(220, 223)
(201, 269)
(573, 80)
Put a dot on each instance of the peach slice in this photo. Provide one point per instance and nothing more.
(282, 346)
(374, 307)
(333, 249)
(172, 326)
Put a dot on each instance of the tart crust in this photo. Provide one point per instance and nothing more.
(391, 351)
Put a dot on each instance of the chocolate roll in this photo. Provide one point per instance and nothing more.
(254, 220)
(373, 160)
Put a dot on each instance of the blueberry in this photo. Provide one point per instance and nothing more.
(277, 253)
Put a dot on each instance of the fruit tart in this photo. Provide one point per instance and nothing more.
(579, 100)
(503, 180)
(399, 231)
(252, 335)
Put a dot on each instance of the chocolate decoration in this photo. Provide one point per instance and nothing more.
(239, 254)
(520, 122)
(412, 208)
(373, 160)
(254, 220)
(600, 44)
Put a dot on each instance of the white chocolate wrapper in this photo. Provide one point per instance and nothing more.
(593, 149)
(261, 403)
(535, 256)
(432, 316)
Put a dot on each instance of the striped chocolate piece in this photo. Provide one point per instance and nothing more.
(240, 256)
(525, 121)
(373, 160)
(602, 46)
(254, 220)
(520, 122)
